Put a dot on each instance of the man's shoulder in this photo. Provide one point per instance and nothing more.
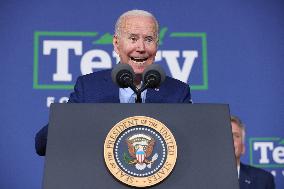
(256, 177)
(98, 74)
(95, 78)
(174, 82)
(171, 91)
(255, 171)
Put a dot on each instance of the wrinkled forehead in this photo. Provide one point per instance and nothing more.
(138, 25)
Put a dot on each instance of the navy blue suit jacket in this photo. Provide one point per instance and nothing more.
(99, 88)
(255, 178)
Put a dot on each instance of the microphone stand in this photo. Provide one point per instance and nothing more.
(138, 92)
(138, 97)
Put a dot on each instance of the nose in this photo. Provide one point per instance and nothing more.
(141, 45)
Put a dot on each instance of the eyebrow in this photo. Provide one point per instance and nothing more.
(132, 34)
(236, 133)
(135, 34)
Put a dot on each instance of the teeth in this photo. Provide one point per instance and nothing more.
(139, 61)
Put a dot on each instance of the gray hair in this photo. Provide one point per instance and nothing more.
(135, 12)
(240, 124)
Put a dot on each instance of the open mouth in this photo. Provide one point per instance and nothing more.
(138, 60)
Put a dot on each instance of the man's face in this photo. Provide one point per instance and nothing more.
(136, 44)
(238, 140)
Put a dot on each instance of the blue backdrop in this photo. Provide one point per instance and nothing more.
(229, 51)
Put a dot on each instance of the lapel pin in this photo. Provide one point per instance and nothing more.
(248, 181)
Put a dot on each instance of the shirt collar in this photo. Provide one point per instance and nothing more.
(127, 95)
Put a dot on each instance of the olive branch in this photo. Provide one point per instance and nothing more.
(126, 158)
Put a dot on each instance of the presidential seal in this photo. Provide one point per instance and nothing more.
(140, 151)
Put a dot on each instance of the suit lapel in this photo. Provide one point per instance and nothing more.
(155, 96)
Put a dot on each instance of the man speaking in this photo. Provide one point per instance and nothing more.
(136, 41)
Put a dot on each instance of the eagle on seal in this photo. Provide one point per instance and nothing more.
(140, 148)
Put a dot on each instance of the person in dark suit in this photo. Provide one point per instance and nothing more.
(136, 41)
(249, 177)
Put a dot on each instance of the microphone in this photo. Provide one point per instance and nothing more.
(153, 76)
(123, 75)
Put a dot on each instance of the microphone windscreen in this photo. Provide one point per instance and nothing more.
(120, 69)
(155, 69)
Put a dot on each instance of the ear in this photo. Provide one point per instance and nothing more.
(115, 42)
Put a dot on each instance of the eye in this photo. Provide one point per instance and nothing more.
(133, 38)
(236, 135)
(149, 39)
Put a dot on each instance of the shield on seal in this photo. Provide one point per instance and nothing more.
(140, 155)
